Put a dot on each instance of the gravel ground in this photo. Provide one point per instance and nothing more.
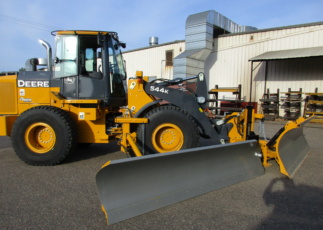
(65, 197)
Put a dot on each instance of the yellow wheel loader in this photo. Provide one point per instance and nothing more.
(82, 96)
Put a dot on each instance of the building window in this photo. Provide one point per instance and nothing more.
(169, 58)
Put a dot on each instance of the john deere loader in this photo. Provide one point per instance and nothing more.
(82, 95)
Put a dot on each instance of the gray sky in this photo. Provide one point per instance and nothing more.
(23, 23)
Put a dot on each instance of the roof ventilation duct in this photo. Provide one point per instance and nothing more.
(200, 30)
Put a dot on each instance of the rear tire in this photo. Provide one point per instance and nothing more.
(43, 135)
(169, 129)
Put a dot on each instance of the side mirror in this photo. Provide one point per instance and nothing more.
(56, 60)
(100, 40)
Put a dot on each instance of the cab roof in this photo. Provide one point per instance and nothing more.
(81, 32)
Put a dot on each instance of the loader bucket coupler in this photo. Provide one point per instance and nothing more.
(133, 186)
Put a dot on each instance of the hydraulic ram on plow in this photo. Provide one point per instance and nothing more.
(130, 187)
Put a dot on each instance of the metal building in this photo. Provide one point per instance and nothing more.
(285, 58)
(155, 61)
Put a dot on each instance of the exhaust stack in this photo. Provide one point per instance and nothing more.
(49, 54)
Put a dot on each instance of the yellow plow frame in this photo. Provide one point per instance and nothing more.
(288, 147)
(133, 186)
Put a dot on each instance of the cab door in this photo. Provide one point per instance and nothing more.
(91, 81)
(78, 65)
(66, 65)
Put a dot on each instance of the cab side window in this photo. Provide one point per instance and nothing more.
(90, 58)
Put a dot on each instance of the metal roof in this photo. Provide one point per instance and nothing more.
(274, 29)
(289, 54)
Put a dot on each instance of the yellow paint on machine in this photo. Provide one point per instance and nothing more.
(8, 96)
(137, 97)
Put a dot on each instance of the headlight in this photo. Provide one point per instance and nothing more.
(200, 100)
(220, 122)
(201, 76)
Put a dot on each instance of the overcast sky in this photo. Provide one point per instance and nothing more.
(23, 23)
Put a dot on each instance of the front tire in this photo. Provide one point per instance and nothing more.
(43, 135)
(169, 129)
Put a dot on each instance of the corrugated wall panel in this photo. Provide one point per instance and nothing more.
(229, 65)
(152, 61)
(306, 74)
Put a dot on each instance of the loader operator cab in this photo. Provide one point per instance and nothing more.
(89, 65)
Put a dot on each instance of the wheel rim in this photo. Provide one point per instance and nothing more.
(40, 137)
(167, 137)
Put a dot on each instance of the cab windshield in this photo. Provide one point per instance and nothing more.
(115, 59)
(116, 68)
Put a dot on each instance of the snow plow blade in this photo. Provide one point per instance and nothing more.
(134, 186)
(292, 148)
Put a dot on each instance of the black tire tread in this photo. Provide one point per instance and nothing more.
(160, 110)
(61, 115)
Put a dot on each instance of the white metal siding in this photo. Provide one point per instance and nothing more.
(152, 61)
(295, 74)
(228, 64)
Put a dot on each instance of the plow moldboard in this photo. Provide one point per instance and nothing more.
(293, 149)
(130, 187)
